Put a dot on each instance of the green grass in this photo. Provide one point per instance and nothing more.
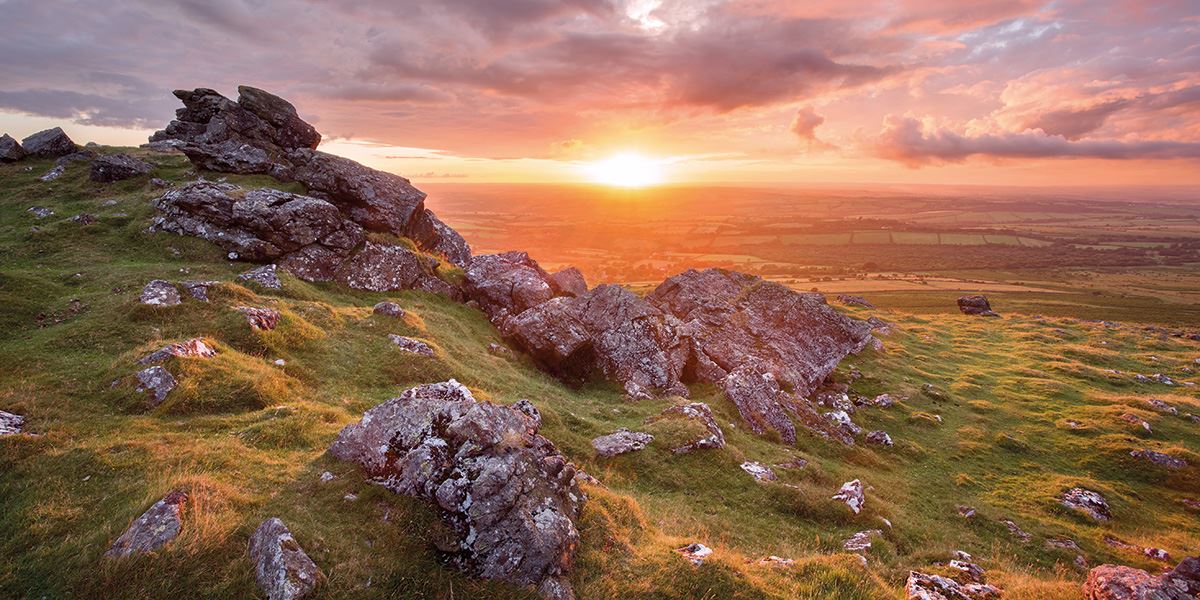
(247, 438)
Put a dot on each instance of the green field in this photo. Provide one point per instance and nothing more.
(247, 438)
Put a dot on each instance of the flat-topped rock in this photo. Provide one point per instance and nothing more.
(412, 345)
(160, 292)
(620, 442)
(116, 167)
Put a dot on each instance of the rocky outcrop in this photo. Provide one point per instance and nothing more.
(1160, 459)
(925, 586)
(115, 167)
(151, 531)
(620, 442)
(852, 494)
(976, 305)
(759, 471)
(1117, 582)
(508, 497)
(281, 568)
(408, 344)
(795, 336)
(266, 276)
(569, 282)
(506, 284)
(160, 292)
(10, 149)
(388, 309)
(608, 331)
(764, 405)
(193, 348)
(50, 143)
(850, 300)
(10, 424)
(262, 133)
(382, 267)
(698, 411)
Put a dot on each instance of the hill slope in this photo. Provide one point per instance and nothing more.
(1022, 409)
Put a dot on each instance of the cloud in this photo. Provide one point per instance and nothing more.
(805, 124)
(909, 141)
(1073, 124)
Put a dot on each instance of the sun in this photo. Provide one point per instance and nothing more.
(626, 170)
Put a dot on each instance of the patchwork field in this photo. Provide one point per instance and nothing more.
(1000, 415)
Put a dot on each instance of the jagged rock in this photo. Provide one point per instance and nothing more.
(1157, 554)
(850, 300)
(1016, 530)
(77, 156)
(609, 331)
(430, 233)
(925, 586)
(569, 282)
(262, 319)
(861, 541)
(156, 382)
(760, 401)
(389, 309)
(851, 493)
(408, 344)
(10, 149)
(506, 284)
(261, 224)
(731, 319)
(53, 173)
(620, 442)
(115, 167)
(531, 411)
(1158, 458)
(510, 499)
(198, 289)
(759, 471)
(264, 276)
(700, 412)
(695, 553)
(84, 218)
(879, 437)
(193, 348)
(841, 421)
(40, 212)
(973, 571)
(1117, 582)
(374, 199)
(976, 305)
(10, 424)
(151, 531)
(50, 143)
(281, 568)
(1088, 502)
(160, 292)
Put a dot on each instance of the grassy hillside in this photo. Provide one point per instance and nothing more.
(1029, 409)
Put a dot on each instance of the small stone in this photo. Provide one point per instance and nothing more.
(160, 293)
(1016, 530)
(198, 289)
(40, 212)
(1088, 502)
(326, 477)
(499, 350)
(701, 412)
(279, 362)
(695, 553)
(879, 437)
(156, 382)
(389, 309)
(776, 561)
(261, 319)
(972, 570)
(281, 568)
(265, 276)
(84, 218)
(10, 424)
(851, 493)
(759, 471)
(151, 531)
(966, 512)
(350, 497)
(883, 400)
(620, 442)
(1157, 554)
(1158, 458)
(861, 541)
(1162, 407)
(53, 173)
(1062, 543)
(408, 344)
(193, 348)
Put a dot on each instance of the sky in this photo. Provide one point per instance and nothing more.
(990, 92)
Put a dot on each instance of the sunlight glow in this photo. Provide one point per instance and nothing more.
(626, 170)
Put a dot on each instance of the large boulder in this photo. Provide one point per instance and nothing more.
(506, 284)
(50, 143)
(731, 319)
(374, 199)
(115, 167)
(607, 331)
(508, 498)
(382, 267)
(976, 305)
(10, 149)
(281, 568)
(430, 233)
(1118, 582)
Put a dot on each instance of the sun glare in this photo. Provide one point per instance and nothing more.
(626, 170)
